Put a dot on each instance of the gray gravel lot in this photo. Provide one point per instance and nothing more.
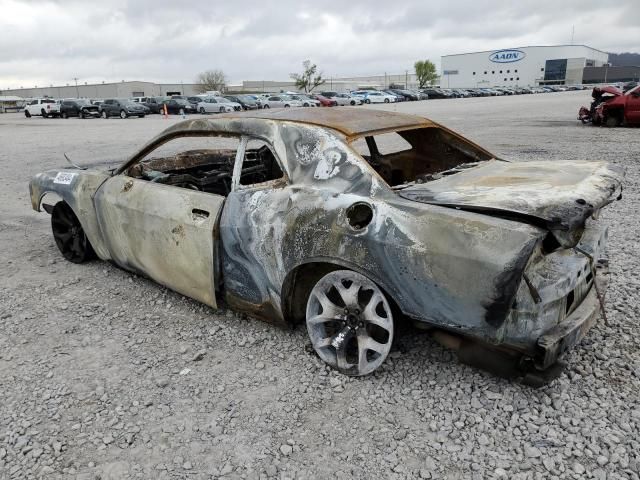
(105, 375)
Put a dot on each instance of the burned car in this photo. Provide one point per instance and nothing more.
(350, 221)
(612, 107)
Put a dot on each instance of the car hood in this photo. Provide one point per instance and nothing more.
(558, 196)
(608, 89)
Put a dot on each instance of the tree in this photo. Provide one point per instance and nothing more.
(426, 72)
(210, 80)
(309, 79)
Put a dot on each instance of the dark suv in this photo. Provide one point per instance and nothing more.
(179, 106)
(123, 108)
(80, 108)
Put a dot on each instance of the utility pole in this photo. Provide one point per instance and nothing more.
(77, 92)
(573, 29)
(406, 79)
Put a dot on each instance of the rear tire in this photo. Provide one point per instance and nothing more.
(80, 114)
(123, 114)
(349, 322)
(69, 235)
(64, 115)
(44, 114)
(27, 113)
(386, 100)
(266, 106)
(181, 111)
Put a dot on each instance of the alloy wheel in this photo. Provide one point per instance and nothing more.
(349, 322)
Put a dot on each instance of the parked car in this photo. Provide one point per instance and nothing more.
(45, 107)
(398, 96)
(80, 108)
(406, 94)
(299, 226)
(374, 96)
(325, 101)
(122, 107)
(154, 104)
(179, 106)
(305, 100)
(280, 101)
(247, 102)
(345, 99)
(212, 105)
(436, 93)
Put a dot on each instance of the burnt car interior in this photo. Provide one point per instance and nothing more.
(209, 169)
(426, 154)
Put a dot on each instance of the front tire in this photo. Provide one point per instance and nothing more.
(123, 114)
(266, 106)
(27, 113)
(104, 114)
(80, 114)
(181, 112)
(353, 102)
(202, 110)
(386, 100)
(612, 121)
(69, 235)
(349, 322)
(367, 101)
(44, 114)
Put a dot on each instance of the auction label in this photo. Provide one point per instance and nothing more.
(64, 178)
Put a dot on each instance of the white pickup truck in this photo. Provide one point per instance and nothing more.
(47, 107)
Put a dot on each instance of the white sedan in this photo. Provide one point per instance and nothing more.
(374, 96)
(305, 100)
(281, 101)
(346, 99)
(217, 105)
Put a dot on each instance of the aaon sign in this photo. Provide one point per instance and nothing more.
(507, 56)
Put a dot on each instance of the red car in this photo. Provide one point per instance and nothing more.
(324, 101)
(612, 107)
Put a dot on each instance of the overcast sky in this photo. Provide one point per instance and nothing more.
(50, 42)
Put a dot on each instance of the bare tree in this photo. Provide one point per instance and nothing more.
(210, 80)
(309, 79)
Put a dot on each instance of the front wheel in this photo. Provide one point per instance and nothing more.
(69, 235)
(27, 113)
(44, 114)
(202, 110)
(286, 105)
(104, 114)
(123, 114)
(266, 106)
(367, 101)
(181, 112)
(353, 102)
(64, 115)
(386, 100)
(612, 121)
(349, 322)
(80, 114)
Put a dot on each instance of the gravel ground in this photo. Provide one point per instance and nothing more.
(105, 375)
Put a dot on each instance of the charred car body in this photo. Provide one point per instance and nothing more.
(323, 224)
(612, 107)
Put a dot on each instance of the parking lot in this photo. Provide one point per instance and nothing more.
(106, 375)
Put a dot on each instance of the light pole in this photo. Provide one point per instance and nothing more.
(77, 92)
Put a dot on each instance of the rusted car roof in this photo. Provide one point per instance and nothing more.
(350, 121)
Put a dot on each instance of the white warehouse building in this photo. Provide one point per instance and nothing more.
(522, 66)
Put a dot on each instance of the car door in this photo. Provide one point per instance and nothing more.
(632, 113)
(276, 102)
(163, 232)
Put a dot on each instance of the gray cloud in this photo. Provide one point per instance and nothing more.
(44, 42)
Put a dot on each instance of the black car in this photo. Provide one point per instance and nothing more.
(247, 101)
(399, 96)
(408, 95)
(436, 93)
(194, 101)
(154, 104)
(80, 108)
(180, 106)
(122, 107)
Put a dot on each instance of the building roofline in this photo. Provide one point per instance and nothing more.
(528, 46)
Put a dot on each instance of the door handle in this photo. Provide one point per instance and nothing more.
(198, 214)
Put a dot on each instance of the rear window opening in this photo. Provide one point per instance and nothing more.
(419, 155)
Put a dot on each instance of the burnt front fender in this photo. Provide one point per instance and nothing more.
(77, 188)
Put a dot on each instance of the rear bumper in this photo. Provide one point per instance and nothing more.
(553, 344)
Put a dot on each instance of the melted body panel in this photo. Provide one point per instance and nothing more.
(162, 232)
